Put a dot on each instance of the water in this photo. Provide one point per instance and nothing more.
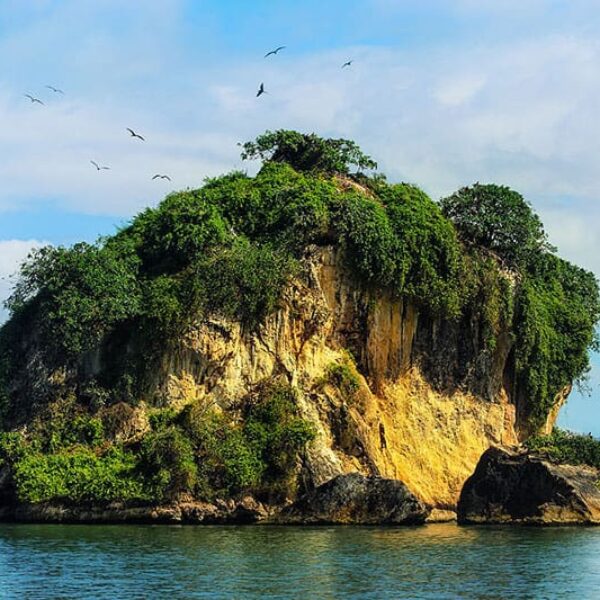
(435, 561)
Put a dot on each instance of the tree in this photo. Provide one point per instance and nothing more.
(79, 293)
(499, 219)
(308, 152)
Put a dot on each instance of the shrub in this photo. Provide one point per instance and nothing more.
(567, 447)
(429, 255)
(245, 281)
(343, 376)
(77, 475)
(65, 423)
(274, 428)
(168, 462)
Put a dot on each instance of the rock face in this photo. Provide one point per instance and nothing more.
(432, 396)
(513, 487)
(359, 500)
(419, 380)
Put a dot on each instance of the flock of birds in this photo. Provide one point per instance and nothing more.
(134, 134)
(274, 52)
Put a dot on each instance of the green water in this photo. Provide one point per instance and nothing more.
(435, 561)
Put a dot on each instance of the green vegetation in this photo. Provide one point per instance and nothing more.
(567, 447)
(308, 152)
(498, 219)
(556, 305)
(77, 475)
(198, 451)
(344, 377)
(228, 249)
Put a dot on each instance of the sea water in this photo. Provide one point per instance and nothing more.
(433, 561)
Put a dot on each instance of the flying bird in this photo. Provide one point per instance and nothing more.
(55, 90)
(261, 90)
(33, 100)
(135, 135)
(273, 52)
(98, 167)
(347, 64)
(157, 176)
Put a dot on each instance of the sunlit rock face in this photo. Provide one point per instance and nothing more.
(430, 401)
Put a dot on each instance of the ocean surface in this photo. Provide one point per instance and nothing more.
(434, 561)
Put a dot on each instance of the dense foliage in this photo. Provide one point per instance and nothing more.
(229, 249)
(556, 305)
(499, 219)
(567, 447)
(308, 152)
(197, 450)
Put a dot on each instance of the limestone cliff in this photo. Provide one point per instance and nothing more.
(260, 336)
(400, 424)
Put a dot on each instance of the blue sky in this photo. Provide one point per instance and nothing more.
(442, 93)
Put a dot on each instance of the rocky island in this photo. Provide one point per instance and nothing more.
(309, 345)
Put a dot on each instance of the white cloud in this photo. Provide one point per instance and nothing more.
(522, 112)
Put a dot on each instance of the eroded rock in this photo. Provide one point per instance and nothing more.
(360, 500)
(519, 487)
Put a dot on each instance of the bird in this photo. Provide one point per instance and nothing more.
(33, 100)
(98, 167)
(347, 64)
(55, 90)
(157, 176)
(273, 52)
(135, 135)
(261, 90)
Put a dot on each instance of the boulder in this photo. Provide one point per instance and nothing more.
(520, 487)
(359, 500)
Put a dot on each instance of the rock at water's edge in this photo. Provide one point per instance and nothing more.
(519, 487)
(357, 499)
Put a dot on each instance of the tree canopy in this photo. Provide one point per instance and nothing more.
(499, 219)
(308, 152)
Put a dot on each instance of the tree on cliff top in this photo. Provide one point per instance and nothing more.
(499, 219)
(308, 152)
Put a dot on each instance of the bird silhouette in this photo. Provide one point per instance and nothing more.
(33, 100)
(261, 90)
(135, 135)
(347, 64)
(55, 90)
(158, 176)
(273, 52)
(98, 167)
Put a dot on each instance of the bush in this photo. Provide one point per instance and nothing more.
(244, 282)
(167, 460)
(429, 254)
(343, 376)
(567, 447)
(276, 431)
(77, 475)
(65, 423)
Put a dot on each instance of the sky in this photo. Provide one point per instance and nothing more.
(442, 93)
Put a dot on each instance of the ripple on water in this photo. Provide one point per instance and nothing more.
(435, 561)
